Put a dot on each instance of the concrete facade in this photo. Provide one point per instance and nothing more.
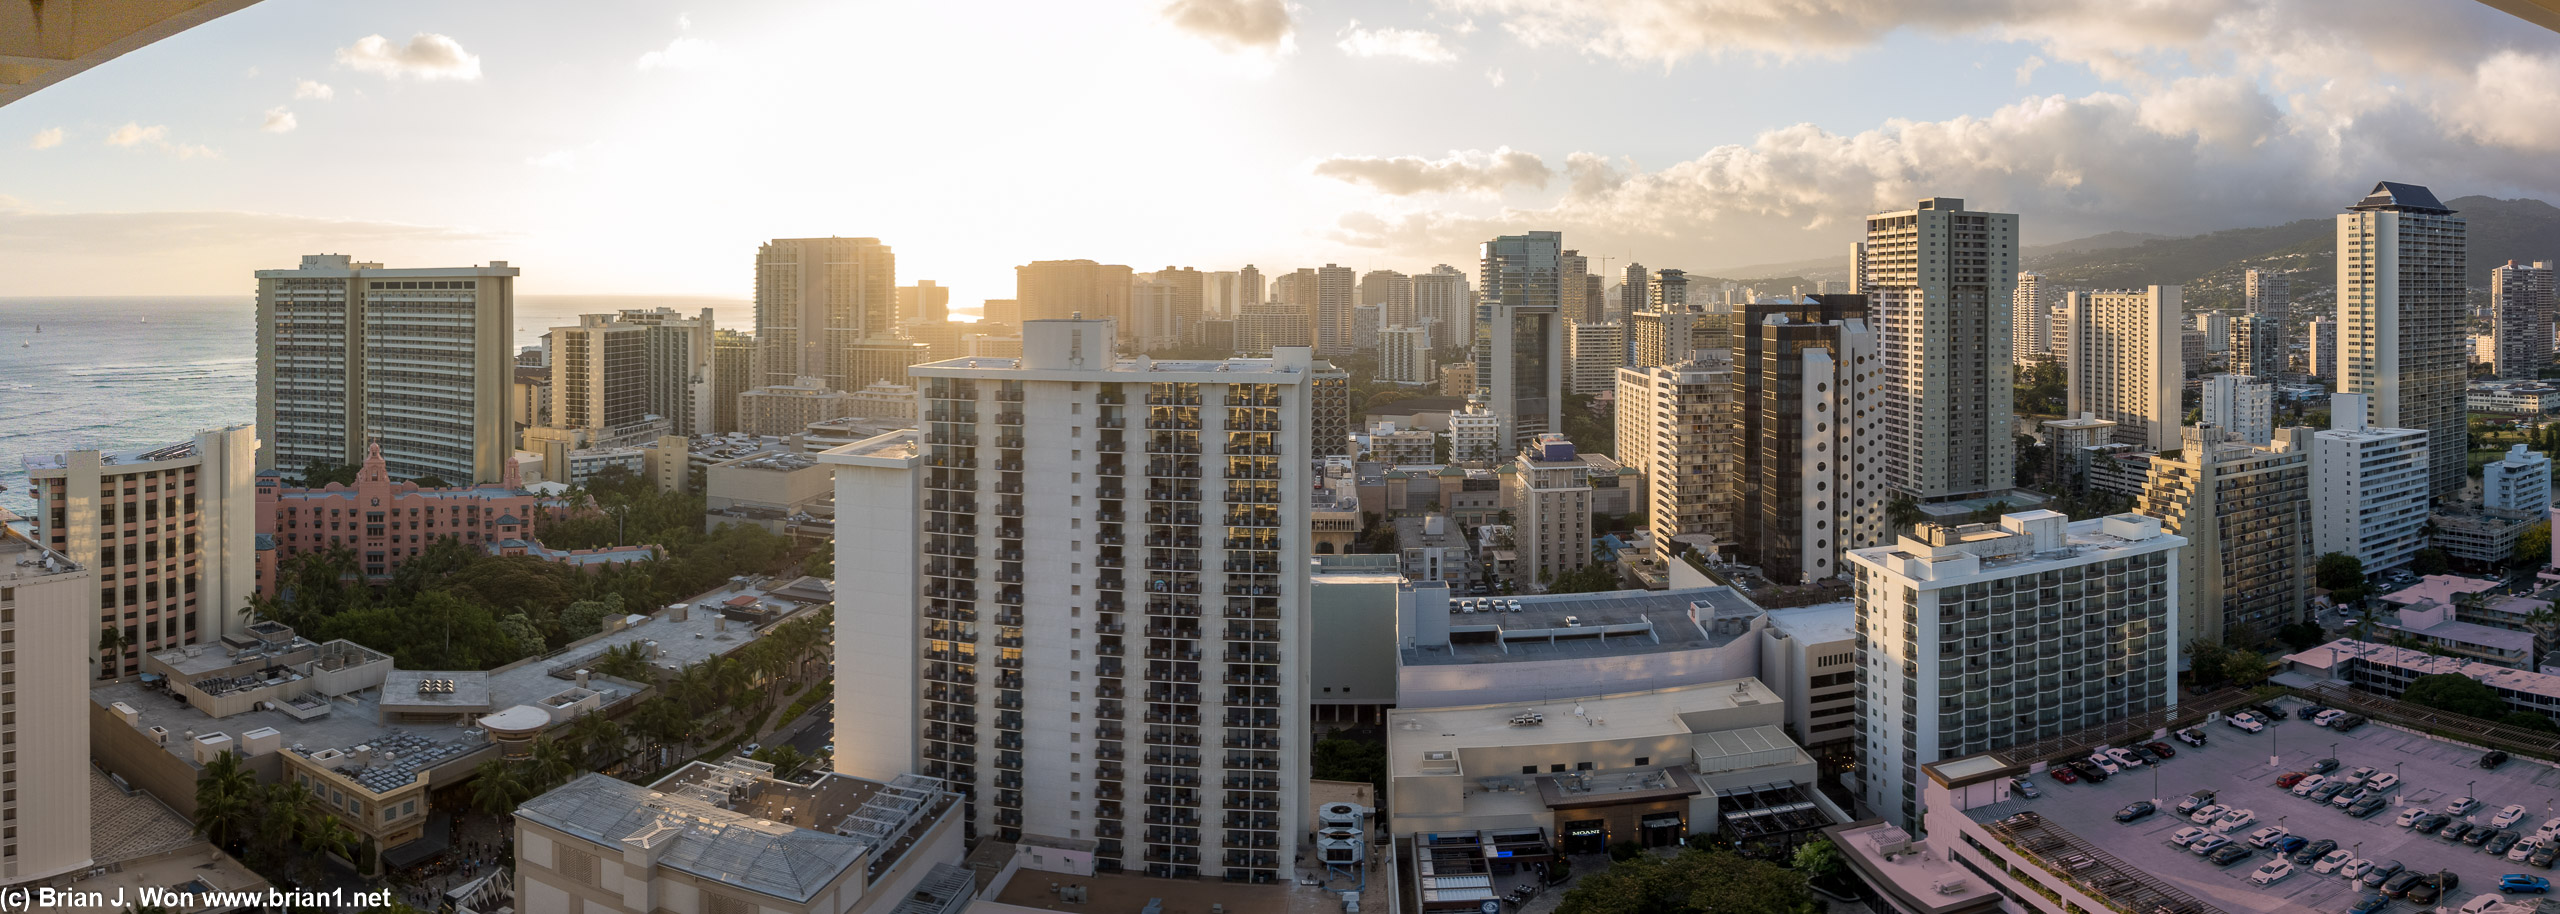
(177, 526)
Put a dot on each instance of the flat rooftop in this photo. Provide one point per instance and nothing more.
(2234, 764)
(353, 719)
(1626, 715)
(2439, 588)
(1916, 875)
(1668, 610)
(2327, 659)
(1818, 623)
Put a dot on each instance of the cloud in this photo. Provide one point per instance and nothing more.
(2027, 69)
(46, 139)
(279, 120)
(680, 54)
(562, 159)
(1409, 44)
(1495, 77)
(156, 136)
(1472, 170)
(426, 57)
(315, 91)
(1235, 25)
(684, 20)
(190, 252)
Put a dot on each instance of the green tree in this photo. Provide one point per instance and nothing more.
(786, 759)
(1818, 859)
(321, 472)
(1360, 761)
(2533, 549)
(432, 481)
(2339, 571)
(2528, 720)
(1902, 511)
(2301, 635)
(2431, 561)
(1694, 882)
(2208, 662)
(2456, 693)
(585, 618)
(498, 787)
(224, 799)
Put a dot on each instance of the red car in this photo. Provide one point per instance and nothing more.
(2064, 774)
(2161, 749)
(2291, 778)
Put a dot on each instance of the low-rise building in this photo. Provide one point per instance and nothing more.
(1401, 446)
(781, 409)
(2484, 536)
(2512, 398)
(1552, 487)
(386, 523)
(735, 837)
(2387, 670)
(1475, 435)
(786, 493)
(2438, 628)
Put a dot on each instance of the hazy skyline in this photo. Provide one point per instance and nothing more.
(648, 147)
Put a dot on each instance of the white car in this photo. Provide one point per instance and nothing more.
(2272, 873)
(2482, 903)
(2323, 718)
(2331, 863)
(2304, 787)
(2206, 815)
(2355, 869)
(2549, 828)
(2245, 723)
(2235, 820)
(2382, 782)
(2105, 764)
(2188, 835)
(2125, 758)
(2523, 848)
(2414, 813)
(2268, 835)
(2506, 816)
(2461, 806)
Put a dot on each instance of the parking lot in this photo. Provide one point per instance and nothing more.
(2236, 765)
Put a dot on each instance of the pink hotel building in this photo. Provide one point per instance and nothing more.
(387, 523)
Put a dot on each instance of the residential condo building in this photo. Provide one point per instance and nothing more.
(1594, 351)
(48, 618)
(2120, 352)
(2401, 303)
(816, 299)
(2031, 319)
(1942, 279)
(1678, 427)
(2241, 405)
(2245, 512)
(1519, 341)
(1810, 402)
(1550, 486)
(2368, 488)
(2520, 314)
(171, 532)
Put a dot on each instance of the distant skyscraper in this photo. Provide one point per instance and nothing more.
(1219, 298)
(816, 298)
(1190, 297)
(1366, 321)
(1678, 426)
(1942, 277)
(2031, 319)
(680, 352)
(2252, 352)
(2520, 303)
(733, 372)
(1336, 293)
(2324, 349)
(1007, 311)
(2241, 405)
(1594, 351)
(600, 379)
(2246, 514)
(1060, 289)
(1404, 356)
(2120, 352)
(1635, 293)
(1392, 292)
(420, 361)
(2401, 301)
(1571, 267)
(1153, 322)
(2269, 294)
(923, 303)
(1443, 298)
(1857, 268)
(1520, 334)
(1810, 403)
(1249, 286)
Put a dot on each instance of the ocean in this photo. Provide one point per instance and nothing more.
(115, 373)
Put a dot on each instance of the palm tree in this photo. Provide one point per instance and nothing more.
(284, 809)
(223, 796)
(599, 740)
(496, 788)
(323, 834)
(549, 765)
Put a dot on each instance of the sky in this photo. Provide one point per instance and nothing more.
(644, 147)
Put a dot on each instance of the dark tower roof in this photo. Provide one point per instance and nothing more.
(2393, 196)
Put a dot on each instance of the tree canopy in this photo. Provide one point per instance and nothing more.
(2456, 693)
(2339, 571)
(1694, 882)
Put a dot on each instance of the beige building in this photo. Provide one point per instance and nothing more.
(1457, 380)
(1594, 351)
(679, 351)
(1336, 294)
(600, 380)
(733, 372)
(1942, 279)
(175, 527)
(778, 490)
(781, 409)
(2402, 298)
(1057, 289)
(1404, 355)
(1552, 487)
(1329, 422)
(1475, 434)
(48, 635)
(2120, 352)
(419, 361)
(1272, 325)
(2246, 514)
(1678, 426)
(2031, 310)
(734, 839)
(815, 299)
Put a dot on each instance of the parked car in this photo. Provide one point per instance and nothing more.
(2381, 873)
(2365, 808)
(2434, 886)
(2457, 830)
(2161, 749)
(2358, 774)
(2209, 843)
(2246, 722)
(2410, 816)
(2324, 766)
(2330, 791)
(2307, 711)
(2064, 774)
(2479, 836)
(2368, 903)
(2332, 862)
(2326, 718)
(2194, 801)
(2313, 851)
(2399, 884)
(2024, 788)
(2187, 836)
(2349, 799)
(2382, 782)
(2499, 841)
(2493, 758)
(2295, 781)
(2103, 763)
(2124, 758)
(2136, 811)
(2549, 828)
(2193, 736)
(2229, 855)
(2094, 774)
(2348, 723)
(2427, 824)
(2273, 872)
(2267, 836)
(2206, 815)
(2543, 855)
(2235, 820)
(2507, 815)
(2523, 850)
(2461, 806)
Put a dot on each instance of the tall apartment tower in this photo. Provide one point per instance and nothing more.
(1635, 291)
(2324, 349)
(1336, 294)
(1220, 296)
(1942, 278)
(1328, 410)
(1005, 311)
(2031, 319)
(175, 531)
(2270, 303)
(1857, 268)
(1550, 485)
(1404, 356)
(2269, 294)
(1678, 425)
(1392, 292)
(1060, 289)
(1443, 297)
(1190, 301)
(46, 619)
(1594, 351)
(1573, 273)
(1519, 337)
(1941, 684)
(1249, 286)
(2401, 303)
(816, 298)
(420, 361)
(2250, 348)
(2520, 302)
(923, 303)
(1081, 605)
(600, 378)
(1152, 321)
(733, 372)
(1811, 404)
(2242, 406)
(680, 352)
(2245, 512)
(2120, 353)
(2369, 488)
